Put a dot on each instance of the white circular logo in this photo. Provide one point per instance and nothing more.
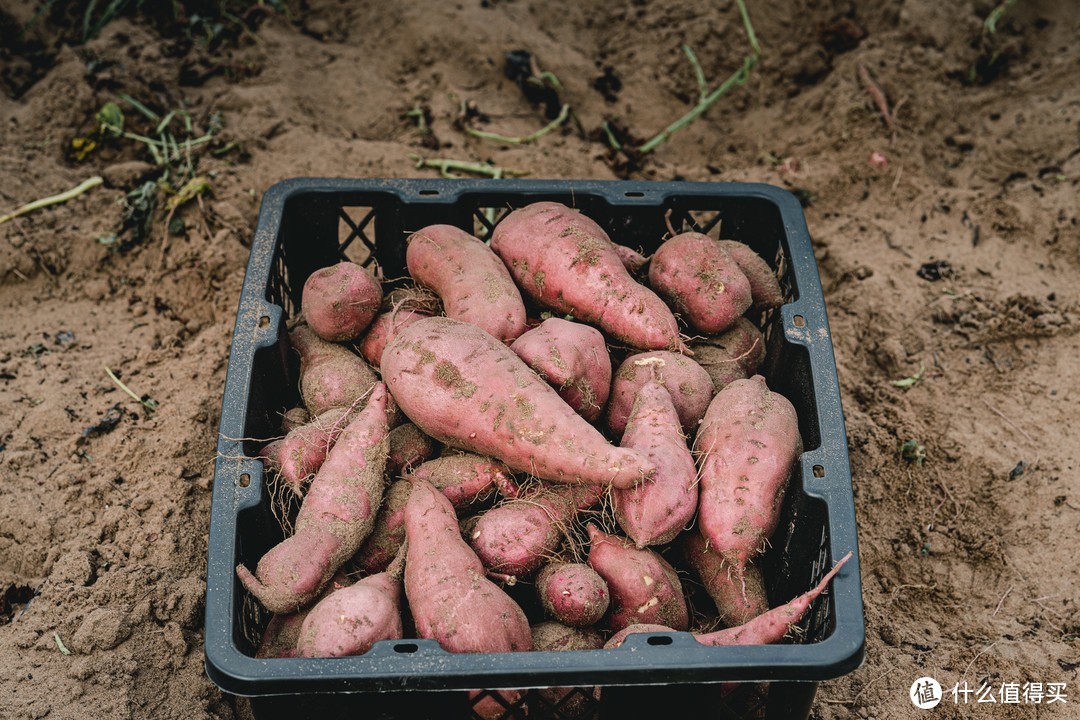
(925, 693)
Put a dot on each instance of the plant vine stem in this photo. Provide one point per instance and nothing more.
(699, 74)
(737, 78)
(53, 199)
(563, 114)
(445, 165)
(749, 27)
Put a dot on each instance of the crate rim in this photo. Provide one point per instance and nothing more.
(689, 662)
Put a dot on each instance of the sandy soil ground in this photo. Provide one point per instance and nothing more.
(951, 258)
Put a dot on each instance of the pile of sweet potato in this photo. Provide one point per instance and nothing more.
(541, 443)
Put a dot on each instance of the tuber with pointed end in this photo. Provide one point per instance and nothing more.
(464, 388)
(451, 600)
(747, 448)
(336, 517)
(300, 454)
(738, 598)
(734, 354)
(766, 629)
(689, 385)
(764, 288)
(573, 359)
(700, 281)
(657, 509)
(330, 375)
(473, 284)
(566, 262)
(644, 587)
(349, 621)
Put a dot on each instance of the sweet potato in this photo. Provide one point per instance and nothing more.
(330, 375)
(764, 288)
(631, 259)
(555, 637)
(294, 418)
(766, 629)
(657, 509)
(690, 387)
(466, 479)
(747, 448)
(734, 354)
(281, 633)
(336, 517)
(738, 599)
(349, 621)
(340, 301)
(518, 536)
(382, 330)
(566, 262)
(644, 587)
(700, 281)
(451, 600)
(573, 358)
(300, 454)
(465, 389)
(572, 593)
(409, 447)
(473, 284)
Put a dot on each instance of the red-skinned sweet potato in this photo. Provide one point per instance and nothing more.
(573, 359)
(340, 301)
(473, 284)
(298, 456)
(409, 448)
(657, 509)
(515, 538)
(644, 587)
(349, 621)
(764, 288)
(689, 385)
(747, 447)
(572, 593)
(382, 330)
(734, 354)
(766, 629)
(281, 633)
(451, 600)
(700, 281)
(566, 262)
(336, 517)
(467, 390)
(330, 375)
(738, 599)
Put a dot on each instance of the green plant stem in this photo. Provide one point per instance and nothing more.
(53, 199)
(612, 140)
(699, 74)
(445, 165)
(990, 24)
(149, 404)
(749, 27)
(737, 78)
(563, 114)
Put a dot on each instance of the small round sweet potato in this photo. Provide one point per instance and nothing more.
(572, 593)
(734, 354)
(340, 301)
(701, 281)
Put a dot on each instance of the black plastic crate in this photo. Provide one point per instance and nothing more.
(305, 224)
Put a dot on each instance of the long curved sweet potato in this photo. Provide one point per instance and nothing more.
(747, 447)
(766, 629)
(337, 515)
(566, 262)
(655, 510)
(466, 389)
(468, 277)
(451, 600)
